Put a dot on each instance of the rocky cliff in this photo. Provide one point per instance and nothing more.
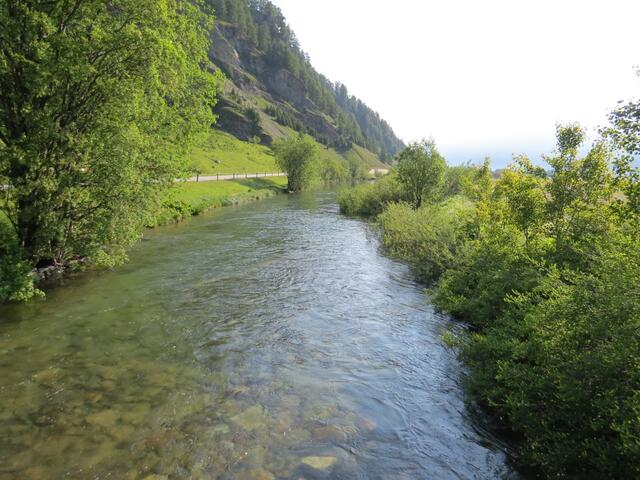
(272, 88)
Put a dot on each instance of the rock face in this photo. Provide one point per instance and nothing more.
(250, 74)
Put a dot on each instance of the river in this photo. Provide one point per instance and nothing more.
(271, 340)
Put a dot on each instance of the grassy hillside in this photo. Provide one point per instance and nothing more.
(370, 159)
(222, 153)
(187, 199)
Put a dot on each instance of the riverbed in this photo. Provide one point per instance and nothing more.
(268, 341)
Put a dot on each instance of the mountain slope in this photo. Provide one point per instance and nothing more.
(272, 86)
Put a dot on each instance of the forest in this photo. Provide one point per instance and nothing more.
(544, 267)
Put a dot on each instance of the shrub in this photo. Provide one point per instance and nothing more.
(429, 238)
(370, 199)
(16, 279)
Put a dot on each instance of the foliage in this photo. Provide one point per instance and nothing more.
(16, 280)
(297, 156)
(99, 102)
(430, 237)
(421, 171)
(624, 133)
(546, 269)
(370, 199)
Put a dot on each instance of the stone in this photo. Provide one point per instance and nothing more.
(48, 376)
(320, 463)
(366, 424)
(257, 474)
(253, 418)
(221, 429)
(37, 473)
(123, 433)
(320, 413)
(105, 418)
(330, 433)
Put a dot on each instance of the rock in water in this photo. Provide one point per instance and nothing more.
(253, 418)
(320, 463)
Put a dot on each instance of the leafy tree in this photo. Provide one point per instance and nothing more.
(624, 132)
(579, 193)
(99, 101)
(297, 156)
(421, 171)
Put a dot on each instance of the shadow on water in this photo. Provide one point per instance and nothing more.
(266, 341)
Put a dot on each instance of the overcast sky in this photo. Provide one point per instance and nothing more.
(482, 77)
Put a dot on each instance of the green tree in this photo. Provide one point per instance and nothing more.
(624, 132)
(297, 156)
(579, 193)
(421, 171)
(98, 104)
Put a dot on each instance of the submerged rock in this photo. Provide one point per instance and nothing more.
(105, 418)
(48, 377)
(366, 424)
(257, 474)
(331, 433)
(320, 463)
(253, 418)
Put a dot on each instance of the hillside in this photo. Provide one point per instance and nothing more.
(273, 90)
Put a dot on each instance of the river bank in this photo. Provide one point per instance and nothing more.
(193, 198)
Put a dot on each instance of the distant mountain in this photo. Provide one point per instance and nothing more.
(272, 86)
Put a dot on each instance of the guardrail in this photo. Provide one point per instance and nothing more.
(233, 176)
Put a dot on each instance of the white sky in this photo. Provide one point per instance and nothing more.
(482, 77)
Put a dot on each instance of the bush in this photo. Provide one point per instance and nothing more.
(486, 271)
(429, 238)
(370, 199)
(563, 365)
(16, 279)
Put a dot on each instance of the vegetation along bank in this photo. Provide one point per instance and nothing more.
(545, 268)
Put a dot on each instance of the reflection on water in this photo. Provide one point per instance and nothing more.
(260, 342)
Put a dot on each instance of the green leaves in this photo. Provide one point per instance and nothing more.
(297, 156)
(99, 103)
(546, 269)
(421, 171)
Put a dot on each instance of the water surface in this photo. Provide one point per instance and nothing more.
(272, 340)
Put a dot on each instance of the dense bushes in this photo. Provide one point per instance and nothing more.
(427, 237)
(16, 280)
(545, 266)
(370, 198)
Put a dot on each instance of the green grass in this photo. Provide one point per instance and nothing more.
(221, 153)
(369, 158)
(188, 198)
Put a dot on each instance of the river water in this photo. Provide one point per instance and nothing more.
(272, 340)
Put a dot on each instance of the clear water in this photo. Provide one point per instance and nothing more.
(267, 341)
